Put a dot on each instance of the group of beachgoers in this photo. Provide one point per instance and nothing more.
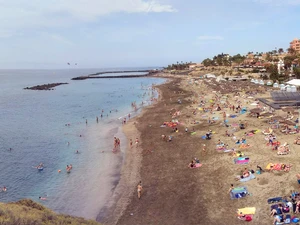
(237, 107)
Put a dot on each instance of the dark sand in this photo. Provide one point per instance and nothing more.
(175, 194)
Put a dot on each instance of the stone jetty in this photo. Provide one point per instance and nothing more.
(45, 87)
(97, 75)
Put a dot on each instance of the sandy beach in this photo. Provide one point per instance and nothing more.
(173, 193)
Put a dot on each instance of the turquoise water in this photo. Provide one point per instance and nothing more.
(32, 123)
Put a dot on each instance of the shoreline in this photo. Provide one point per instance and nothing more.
(129, 175)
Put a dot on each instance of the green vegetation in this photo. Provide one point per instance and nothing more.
(223, 60)
(179, 66)
(28, 212)
(297, 72)
(273, 71)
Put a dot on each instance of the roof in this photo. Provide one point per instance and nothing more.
(285, 96)
(295, 82)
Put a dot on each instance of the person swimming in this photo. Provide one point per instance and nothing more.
(42, 198)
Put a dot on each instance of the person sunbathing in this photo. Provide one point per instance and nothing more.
(277, 211)
(192, 164)
(197, 161)
(220, 143)
(286, 167)
(297, 207)
(297, 141)
(244, 145)
(279, 219)
(267, 131)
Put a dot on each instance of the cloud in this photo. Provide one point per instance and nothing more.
(56, 13)
(210, 38)
(279, 2)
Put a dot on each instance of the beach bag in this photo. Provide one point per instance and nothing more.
(248, 218)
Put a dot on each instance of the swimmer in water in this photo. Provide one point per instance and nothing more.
(42, 198)
(68, 143)
(77, 152)
(4, 189)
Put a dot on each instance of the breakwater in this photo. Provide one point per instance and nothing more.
(46, 87)
(96, 75)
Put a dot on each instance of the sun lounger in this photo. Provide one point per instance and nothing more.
(248, 178)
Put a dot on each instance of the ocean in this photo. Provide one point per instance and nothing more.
(33, 125)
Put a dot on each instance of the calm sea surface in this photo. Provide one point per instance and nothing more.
(32, 123)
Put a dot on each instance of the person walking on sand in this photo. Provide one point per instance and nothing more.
(97, 119)
(204, 149)
(86, 121)
(136, 142)
(139, 189)
(298, 178)
(130, 142)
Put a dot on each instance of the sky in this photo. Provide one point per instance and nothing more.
(40, 34)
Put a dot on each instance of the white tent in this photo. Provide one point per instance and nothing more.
(293, 89)
(295, 82)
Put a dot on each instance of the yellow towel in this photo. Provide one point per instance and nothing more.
(269, 166)
(248, 210)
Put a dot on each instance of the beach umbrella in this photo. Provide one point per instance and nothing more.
(256, 110)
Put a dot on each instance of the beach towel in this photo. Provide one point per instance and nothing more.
(233, 116)
(238, 192)
(197, 165)
(241, 160)
(243, 146)
(239, 154)
(248, 178)
(203, 137)
(215, 118)
(273, 200)
(193, 133)
(248, 211)
(228, 150)
(287, 220)
(276, 166)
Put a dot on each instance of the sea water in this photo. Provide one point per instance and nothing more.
(33, 125)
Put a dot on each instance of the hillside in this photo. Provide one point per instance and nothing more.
(28, 212)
